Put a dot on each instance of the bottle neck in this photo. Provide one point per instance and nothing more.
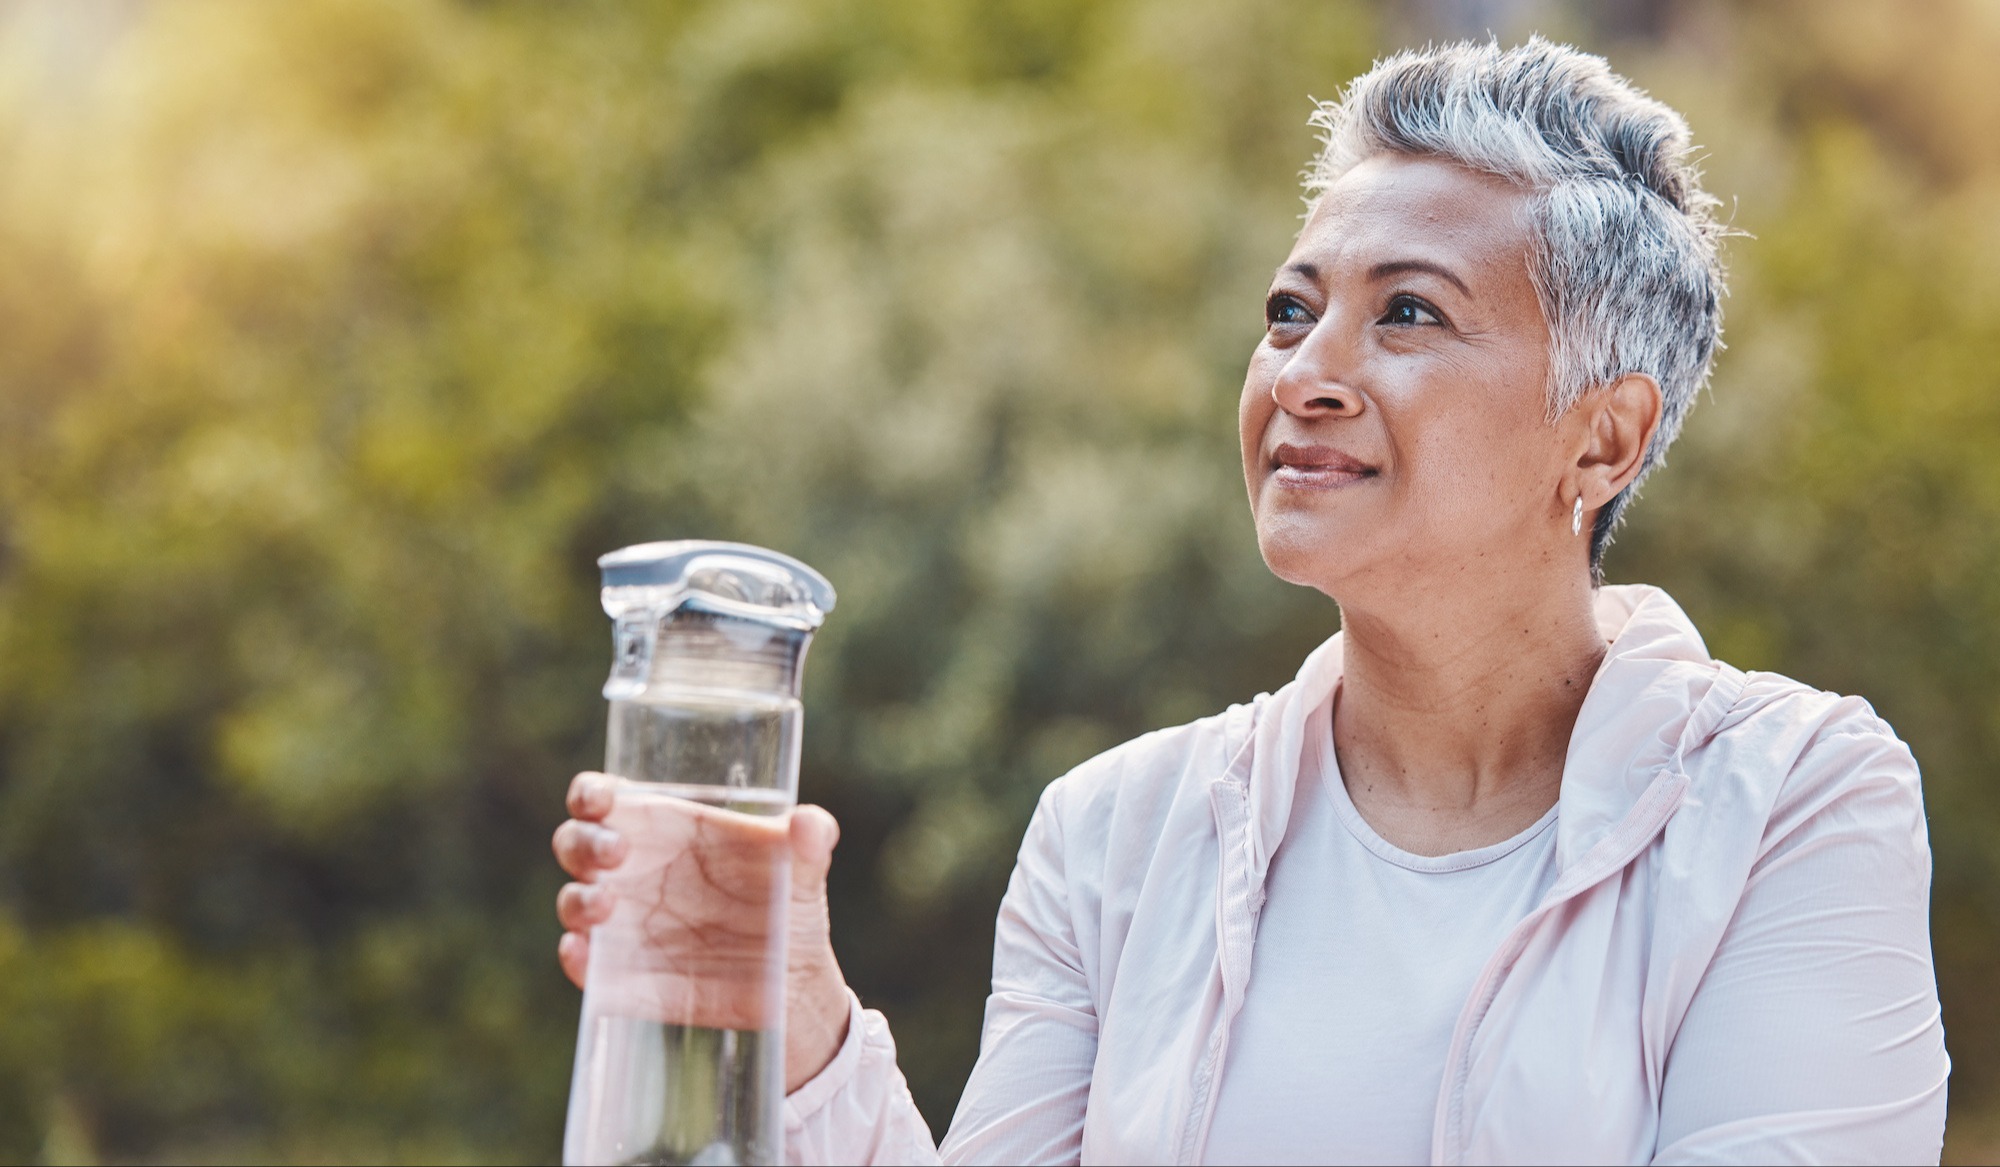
(688, 648)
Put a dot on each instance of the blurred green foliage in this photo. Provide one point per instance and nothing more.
(336, 339)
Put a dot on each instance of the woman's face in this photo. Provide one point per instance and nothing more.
(1393, 417)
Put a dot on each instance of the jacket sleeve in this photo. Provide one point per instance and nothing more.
(858, 1109)
(1815, 1035)
(1025, 1101)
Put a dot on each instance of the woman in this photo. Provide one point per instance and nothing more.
(1513, 871)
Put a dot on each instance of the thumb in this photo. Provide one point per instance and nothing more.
(814, 833)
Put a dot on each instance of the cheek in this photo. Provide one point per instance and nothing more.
(1255, 407)
(1475, 465)
(1468, 439)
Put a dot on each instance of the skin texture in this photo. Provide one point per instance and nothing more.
(1399, 459)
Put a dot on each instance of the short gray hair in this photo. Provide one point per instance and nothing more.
(1624, 259)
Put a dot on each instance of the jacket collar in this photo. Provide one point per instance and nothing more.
(1657, 696)
(1654, 698)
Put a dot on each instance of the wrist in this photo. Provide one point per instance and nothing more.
(816, 1023)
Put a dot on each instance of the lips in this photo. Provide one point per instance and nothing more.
(1317, 467)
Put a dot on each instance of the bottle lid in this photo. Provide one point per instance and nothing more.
(728, 579)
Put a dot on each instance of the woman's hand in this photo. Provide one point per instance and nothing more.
(701, 930)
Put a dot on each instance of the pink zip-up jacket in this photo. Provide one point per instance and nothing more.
(1733, 965)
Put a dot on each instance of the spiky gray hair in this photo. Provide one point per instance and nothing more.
(1624, 254)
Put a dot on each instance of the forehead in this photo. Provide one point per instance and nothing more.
(1394, 207)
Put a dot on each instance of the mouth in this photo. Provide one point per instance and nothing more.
(1317, 467)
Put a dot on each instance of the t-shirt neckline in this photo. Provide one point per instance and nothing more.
(1319, 735)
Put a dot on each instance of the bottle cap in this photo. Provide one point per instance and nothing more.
(695, 615)
(730, 579)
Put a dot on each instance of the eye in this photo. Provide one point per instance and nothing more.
(1282, 310)
(1408, 309)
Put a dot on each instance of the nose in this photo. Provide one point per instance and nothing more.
(1316, 381)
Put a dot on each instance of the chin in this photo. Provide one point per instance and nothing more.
(1305, 553)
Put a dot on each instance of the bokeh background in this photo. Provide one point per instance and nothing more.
(337, 339)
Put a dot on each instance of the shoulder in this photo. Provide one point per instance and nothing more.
(1811, 733)
(1132, 796)
(1826, 763)
(1152, 768)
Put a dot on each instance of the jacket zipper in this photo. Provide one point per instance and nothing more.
(1233, 865)
(1624, 845)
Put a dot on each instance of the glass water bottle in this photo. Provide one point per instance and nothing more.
(681, 1051)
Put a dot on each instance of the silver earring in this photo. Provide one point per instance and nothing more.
(1576, 517)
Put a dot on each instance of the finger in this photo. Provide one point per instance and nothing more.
(584, 849)
(583, 906)
(591, 795)
(573, 953)
(814, 835)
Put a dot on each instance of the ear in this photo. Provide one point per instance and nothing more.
(1614, 426)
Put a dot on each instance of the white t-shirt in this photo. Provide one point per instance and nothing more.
(1364, 957)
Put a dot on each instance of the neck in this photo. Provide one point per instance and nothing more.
(1455, 710)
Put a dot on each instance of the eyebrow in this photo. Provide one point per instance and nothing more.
(1394, 267)
(1400, 266)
